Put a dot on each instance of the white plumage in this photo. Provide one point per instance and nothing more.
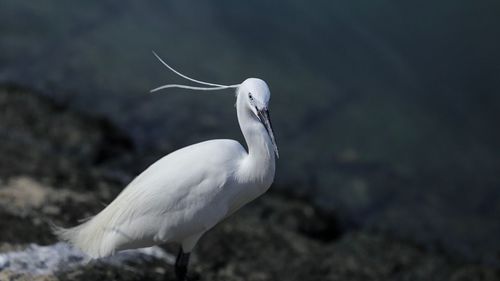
(189, 191)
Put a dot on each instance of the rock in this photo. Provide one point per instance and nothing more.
(41, 138)
(60, 258)
(23, 195)
(14, 276)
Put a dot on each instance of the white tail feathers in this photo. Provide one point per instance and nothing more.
(212, 86)
(114, 229)
(89, 237)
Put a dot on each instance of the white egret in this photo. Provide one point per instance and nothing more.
(187, 192)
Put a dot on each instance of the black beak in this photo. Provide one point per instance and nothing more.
(265, 119)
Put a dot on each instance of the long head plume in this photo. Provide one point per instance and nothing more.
(212, 86)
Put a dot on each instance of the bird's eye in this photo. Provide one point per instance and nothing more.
(250, 96)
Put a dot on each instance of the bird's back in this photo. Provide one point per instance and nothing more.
(181, 194)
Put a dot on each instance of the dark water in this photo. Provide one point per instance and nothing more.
(385, 112)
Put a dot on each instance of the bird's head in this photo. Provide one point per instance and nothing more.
(254, 91)
(256, 94)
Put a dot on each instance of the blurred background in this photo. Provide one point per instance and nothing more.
(386, 113)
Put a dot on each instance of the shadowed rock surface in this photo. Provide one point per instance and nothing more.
(60, 166)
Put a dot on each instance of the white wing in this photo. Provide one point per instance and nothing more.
(179, 196)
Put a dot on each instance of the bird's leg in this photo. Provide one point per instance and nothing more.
(181, 264)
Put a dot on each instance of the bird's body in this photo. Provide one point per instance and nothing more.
(174, 200)
(187, 192)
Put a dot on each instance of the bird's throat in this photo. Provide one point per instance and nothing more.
(260, 158)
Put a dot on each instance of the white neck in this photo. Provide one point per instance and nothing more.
(260, 161)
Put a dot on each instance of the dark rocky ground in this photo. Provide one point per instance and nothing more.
(60, 166)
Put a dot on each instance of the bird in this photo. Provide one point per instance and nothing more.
(187, 192)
